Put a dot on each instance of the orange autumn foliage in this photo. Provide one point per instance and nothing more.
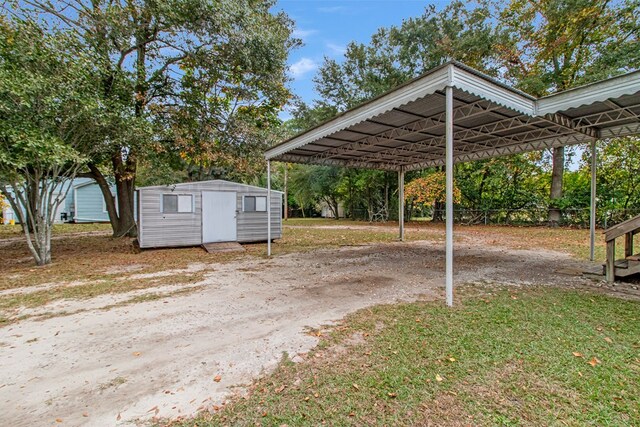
(429, 189)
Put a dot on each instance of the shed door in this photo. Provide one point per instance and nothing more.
(218, 216)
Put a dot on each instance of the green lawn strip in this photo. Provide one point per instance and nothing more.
(499, 359)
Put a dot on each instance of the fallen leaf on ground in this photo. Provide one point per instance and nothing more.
(452, 359)
(85, 414)
(279, 389)
(136, 353)
(439, 378)
(392, 395)
(356, 386)
(217, 378)
(58, 420)
(607, 339)
(594, 361)
(576, 354)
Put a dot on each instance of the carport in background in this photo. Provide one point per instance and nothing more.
(454, 113)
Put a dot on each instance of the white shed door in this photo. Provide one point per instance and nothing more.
(218, 216)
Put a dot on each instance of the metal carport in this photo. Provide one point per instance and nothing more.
(454, 113)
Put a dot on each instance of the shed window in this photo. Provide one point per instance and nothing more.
(255, 204)
(177, 203)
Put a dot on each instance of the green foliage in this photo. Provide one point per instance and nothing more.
(196, 80)
(618, 178)
(47, 107)
(540, 47)
(557, 44)
(399, 53)
(313, 184)
(46, 100)
(226, 112)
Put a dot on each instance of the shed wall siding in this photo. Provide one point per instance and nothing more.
(89, 205)
(185, 229)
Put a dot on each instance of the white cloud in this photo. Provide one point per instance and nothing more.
(336, 49)
(302, 67)
(303, 34)
(331, 9)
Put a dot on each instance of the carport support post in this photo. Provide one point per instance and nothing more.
(268, 207)
(449, 198)
(592, 213)
(401, 202)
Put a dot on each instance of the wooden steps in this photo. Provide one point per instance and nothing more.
(627, 267)
(631, 263)
(219, 247)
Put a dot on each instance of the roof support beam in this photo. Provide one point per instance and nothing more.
(606, 117)
(419, 126)
(567, 123)
(570, 139)
(354, 163)
(490, 145)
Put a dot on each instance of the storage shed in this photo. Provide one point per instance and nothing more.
(195, 213)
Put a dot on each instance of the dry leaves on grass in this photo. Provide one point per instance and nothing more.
(594, 361)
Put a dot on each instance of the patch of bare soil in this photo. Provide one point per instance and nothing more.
(171, 356)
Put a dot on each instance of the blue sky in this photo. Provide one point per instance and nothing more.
(326, 27)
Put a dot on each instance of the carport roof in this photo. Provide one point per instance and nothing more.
(404, 129)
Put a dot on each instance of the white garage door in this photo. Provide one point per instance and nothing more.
(218, 216)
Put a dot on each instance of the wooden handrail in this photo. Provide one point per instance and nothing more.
(629, 226)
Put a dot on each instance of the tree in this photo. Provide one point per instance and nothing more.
(618, 179)
(145, 52)
(427, 190)
(226, 113)
(559, 44)
(393, 56)
(399, 53)
(313, 184)
(47, 107)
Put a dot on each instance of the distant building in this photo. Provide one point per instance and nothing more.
(83, 203)
(327, 212)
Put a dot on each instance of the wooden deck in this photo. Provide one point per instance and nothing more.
(223, 247)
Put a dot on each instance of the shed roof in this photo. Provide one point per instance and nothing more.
(210, 181)
(404, 129)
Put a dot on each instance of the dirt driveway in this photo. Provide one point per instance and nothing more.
(172, 356)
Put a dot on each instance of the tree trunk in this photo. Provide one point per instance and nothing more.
(121, 217)
(556, 186)
(438, 208)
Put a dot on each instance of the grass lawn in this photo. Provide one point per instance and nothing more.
(532, 357)
(16, 230)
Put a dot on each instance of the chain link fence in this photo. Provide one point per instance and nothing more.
(569, 217)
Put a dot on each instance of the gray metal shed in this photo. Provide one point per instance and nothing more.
(194, 213)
